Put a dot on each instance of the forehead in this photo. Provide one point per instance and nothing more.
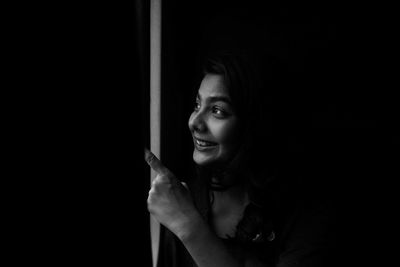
(212, 85)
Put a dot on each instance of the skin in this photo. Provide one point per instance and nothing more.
(170, 201)
(213, 119)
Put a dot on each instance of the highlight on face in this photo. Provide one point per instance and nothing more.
(213, 123)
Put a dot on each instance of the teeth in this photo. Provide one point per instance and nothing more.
(203, 143)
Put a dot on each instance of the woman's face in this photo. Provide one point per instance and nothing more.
(213, 123)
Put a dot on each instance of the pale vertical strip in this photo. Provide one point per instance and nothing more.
(155, 106)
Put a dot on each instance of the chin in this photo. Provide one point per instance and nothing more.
(202, 159)
(207, 159)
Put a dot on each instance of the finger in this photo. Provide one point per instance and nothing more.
(155, 163)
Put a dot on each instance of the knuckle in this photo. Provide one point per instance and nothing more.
(163, 177)
(157, 184)
(151, 192)
(161, 183)
(150, 202)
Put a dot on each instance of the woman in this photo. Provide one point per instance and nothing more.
(238, 211)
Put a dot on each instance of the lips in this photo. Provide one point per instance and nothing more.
(203, 143)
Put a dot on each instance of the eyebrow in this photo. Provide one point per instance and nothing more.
(217, 98)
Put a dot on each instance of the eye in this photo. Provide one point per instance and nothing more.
(196, 105)
(218, 111)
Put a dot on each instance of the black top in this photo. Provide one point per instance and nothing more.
(302, 235)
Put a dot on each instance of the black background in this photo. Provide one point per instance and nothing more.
(336, 110)
(78, 185)
(80, 107)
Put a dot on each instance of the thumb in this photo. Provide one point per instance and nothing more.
(156, 164)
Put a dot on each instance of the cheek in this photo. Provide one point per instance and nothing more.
(225, 133)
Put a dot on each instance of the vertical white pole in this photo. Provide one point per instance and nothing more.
(155, 106)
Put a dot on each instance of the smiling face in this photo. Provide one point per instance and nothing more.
(213, 123)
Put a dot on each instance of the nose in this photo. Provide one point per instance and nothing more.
(196, 122)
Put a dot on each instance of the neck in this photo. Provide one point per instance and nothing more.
(224, 181)
(236, 193)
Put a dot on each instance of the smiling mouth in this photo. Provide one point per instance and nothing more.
(203, 144)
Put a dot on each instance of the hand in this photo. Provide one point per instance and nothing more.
(170, 201)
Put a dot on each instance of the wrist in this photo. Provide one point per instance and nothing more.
(191, 228)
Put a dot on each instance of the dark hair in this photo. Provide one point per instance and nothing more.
(250, 100)
(253, 165)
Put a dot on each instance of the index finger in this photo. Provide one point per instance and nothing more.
(155, 163)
